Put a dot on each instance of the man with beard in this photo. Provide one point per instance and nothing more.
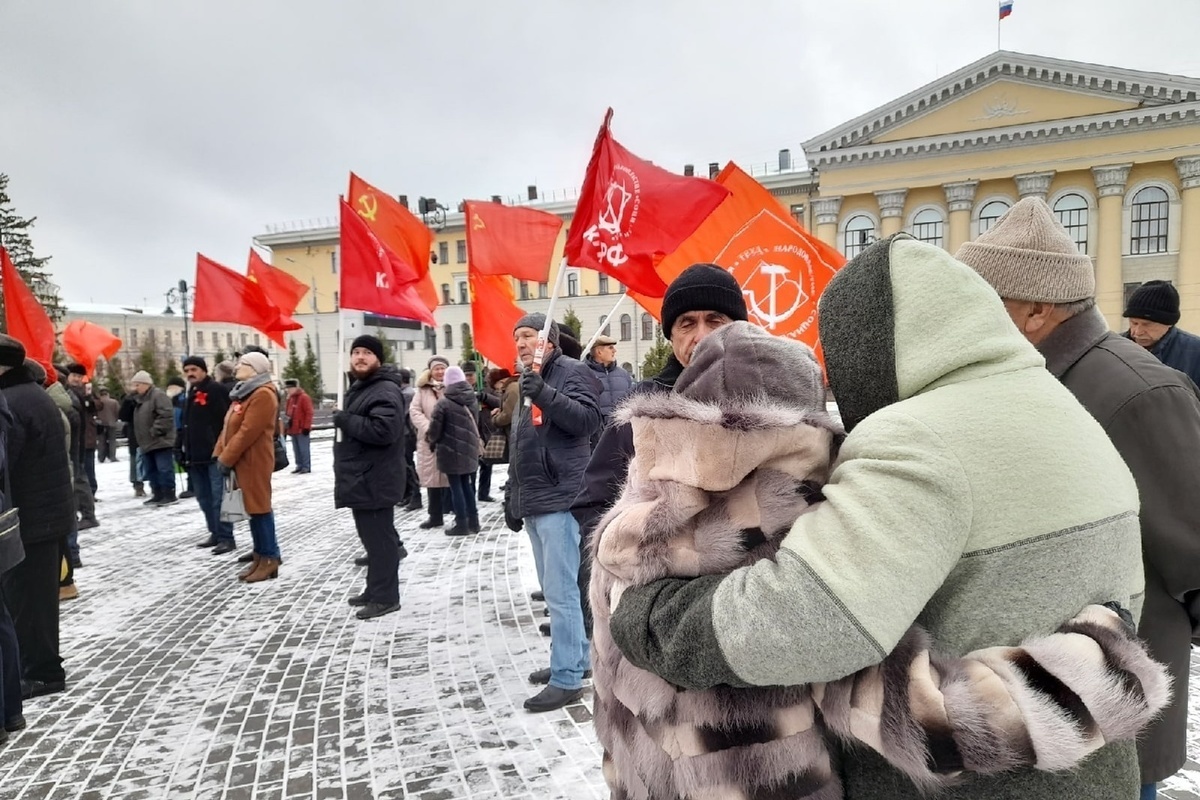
(368, 454)
(204, 409)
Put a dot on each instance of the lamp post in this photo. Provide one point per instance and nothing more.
(181, 295)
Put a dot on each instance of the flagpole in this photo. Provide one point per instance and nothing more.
(341, 376)
(607, 321)
(540, 354)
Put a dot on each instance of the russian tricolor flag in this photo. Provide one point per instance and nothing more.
(1005, 8)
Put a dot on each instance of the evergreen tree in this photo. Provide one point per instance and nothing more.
(113, 378)
(219, 357)
(468, 346)
(172, 370)
(656, 357)
(389, 352)
(572, 322)
(148, 361)
(294, 369)
(311, 382)
(14, 237)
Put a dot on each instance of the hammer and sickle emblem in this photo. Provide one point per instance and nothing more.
(369, 206)
(477, 222)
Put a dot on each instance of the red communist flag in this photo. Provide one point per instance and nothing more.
(86, 341)
(281, 288)
(223, 295)
(25, 318)
(398, 230)
(508, 240)
(494, 313)
(374, 278)
(631, 213)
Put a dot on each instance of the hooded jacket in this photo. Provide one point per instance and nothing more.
(420, 412)
(973, 496)
(453, 432)
(368, 453)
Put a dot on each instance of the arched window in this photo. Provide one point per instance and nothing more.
(1072, 213)
(647, 327)
(605, 328)
(446, 293)
(572, 284)
(1148, 232)
(860, 231)
(990, 213)
(466, 332)
(627, 367)
(928, 226)
(626, 328)
(448, 336)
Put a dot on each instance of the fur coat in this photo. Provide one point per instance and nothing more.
(713, 487)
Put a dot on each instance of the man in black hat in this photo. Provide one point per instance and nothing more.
(1153, 311)
(78, 384)
(204, 407)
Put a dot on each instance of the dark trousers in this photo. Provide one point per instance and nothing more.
(67, 548)
(377, 532)
(485, 480)
(135, 477)
(89, 467)
(31, 594)
(106, 443)
(160, 470)
(10, 667)
(85, 502)
(209, 486)
(462, 498)
(439, 504)
(412, 483)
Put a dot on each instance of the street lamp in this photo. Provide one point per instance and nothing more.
(181, 295)
(433, 213)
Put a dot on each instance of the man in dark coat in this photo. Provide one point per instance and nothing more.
(11, 718)
(41, 488)
(1153, 313)
(136, 471)
(1152, 415)
(368, 473)
(85, 501)
(550, 447)
(154, 422)
(412, 484)
(81, 389)
(203, 416)
(108, 425)
(616, 381)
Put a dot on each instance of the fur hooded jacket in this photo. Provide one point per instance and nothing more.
(723, 466)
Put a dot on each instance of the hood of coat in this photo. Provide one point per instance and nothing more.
(904, 318)
(460, 393)
(426, 381)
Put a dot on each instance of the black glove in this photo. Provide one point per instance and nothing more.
(532, 385)
(223, 469)
(338, 418)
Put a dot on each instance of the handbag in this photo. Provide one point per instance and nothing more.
(281, 459)
(233, 505)
(495, 449)
(12, 549)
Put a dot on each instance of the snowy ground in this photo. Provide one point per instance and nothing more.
(185, 683)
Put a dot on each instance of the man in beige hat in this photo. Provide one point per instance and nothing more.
(154, 425)
(617, 383)
(1150, 411)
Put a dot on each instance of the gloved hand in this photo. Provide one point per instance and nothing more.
(532, 385)
(225, 470)
(338, 419)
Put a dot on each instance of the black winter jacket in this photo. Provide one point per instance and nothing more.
(548, 461)
(616, 383)
(1180, 350)
(453, 432)
(204, 409)
(125, 415)
(368, 453)
(37, 459)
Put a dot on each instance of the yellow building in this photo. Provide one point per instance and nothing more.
(1115, 152)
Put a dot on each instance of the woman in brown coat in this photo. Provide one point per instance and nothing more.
(246, 448)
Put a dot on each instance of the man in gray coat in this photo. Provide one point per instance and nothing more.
(1150, 411)
(154, 424)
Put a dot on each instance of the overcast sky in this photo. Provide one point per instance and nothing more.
(139, 132)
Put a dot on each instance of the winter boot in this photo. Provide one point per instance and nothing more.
(268, 568)
(458, 528)
(246, 573)
(167, 497)
(138, 490)
(414, 504)
(156, 496)
(473, 524)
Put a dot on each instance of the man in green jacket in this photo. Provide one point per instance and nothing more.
(973, 496)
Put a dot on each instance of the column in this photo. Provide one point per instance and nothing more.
(1110, 289)
(1187, 280)
(891, 211)
(1035, 184)
(960, 199)
(825, 211)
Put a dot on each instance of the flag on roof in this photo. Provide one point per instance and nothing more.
(1005, 8)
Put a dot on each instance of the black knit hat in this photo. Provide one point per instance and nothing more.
(196, 361)
(12, 352)
(76, 369)
(369, 342)
(703, 287)
(1157, 301)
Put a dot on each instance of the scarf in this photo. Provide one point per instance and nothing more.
(243, 389)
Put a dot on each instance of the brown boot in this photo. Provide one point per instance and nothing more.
(246, 573)
(267, 568)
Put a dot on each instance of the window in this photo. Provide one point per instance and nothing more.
(461, 247)
(929, 227)
(245, 341)
(1148, 232)
(169, 339)
(572, 284)
(466, 333)
(464, 296)
(337, 300)
(603, 284)
(627, 367)
(133, 342)
(216, 340)
(524, 290)
(152, 337)
(257, 341)
(446, 293)
(199, 338)
(229, 341)
(860, 232)
(410, 345)
(605, 328)
(1072, 213)
(116, 332)
(990, 213)
(448, 336)
(443, 252)
(626, 328)
(647, 327)
(333, 260)
(543, 291)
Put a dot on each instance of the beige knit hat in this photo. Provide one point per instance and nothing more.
(1028, 255)
(256, 361)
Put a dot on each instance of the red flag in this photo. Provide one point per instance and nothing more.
(508, 240)
(398, 230)
(26, 319)
(281, 288)
(374, 278)
(223, 295)
(631, 212)
(494, 314)
(86, 341)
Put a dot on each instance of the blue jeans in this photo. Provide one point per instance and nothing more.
(1149, 791)
(262, 530)
(555, 540)
(160, 469)
(209, 486)
(462, 499)
(301, 449)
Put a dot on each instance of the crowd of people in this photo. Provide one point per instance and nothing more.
(980, 577)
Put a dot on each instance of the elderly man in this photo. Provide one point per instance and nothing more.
(1153, 311)
(973, 495)
(154, 421)
(615, 381)
(1151, 413)
(298, 414)
(551, 443)
(108, 424)
(201, 421)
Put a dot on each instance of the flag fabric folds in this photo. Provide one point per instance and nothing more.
(494, 314)
(631, 213)
(86, 342)
(281, 288)
(508, 240)
(398, 230)
(373, 277)
(223, 295)
(26, 320)
(1006, 8)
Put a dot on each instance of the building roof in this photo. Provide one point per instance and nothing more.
(92, 309)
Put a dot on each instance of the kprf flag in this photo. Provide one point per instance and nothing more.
(1006, 7)
(631, 213)
(281, 288)
(26, 320)
(398, 230)
(374, 278)
(223, 295)
(494, 314)
(86, 342)
(510, 240)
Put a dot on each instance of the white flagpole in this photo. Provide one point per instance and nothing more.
(540, 354)
(341, 376)
(607, 321)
